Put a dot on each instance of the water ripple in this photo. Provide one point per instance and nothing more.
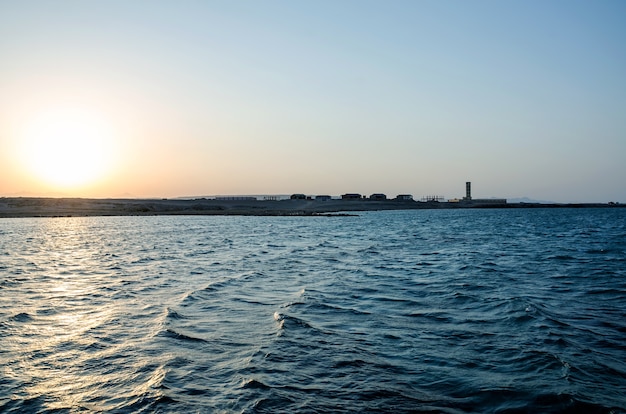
(505, 311)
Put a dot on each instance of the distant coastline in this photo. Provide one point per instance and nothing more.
(244, 206)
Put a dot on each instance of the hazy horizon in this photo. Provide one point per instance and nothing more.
(159, 99)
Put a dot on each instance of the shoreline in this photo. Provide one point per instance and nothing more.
(15, 207)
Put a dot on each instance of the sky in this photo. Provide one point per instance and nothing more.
(198, 98)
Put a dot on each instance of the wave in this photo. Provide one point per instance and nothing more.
(293, 321)
(172, 314)
(22, 317)
(254, 384)
(172, 334)
(416, 311)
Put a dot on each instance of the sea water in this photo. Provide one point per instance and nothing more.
(454, 311)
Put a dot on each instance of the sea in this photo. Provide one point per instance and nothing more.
(421, 311)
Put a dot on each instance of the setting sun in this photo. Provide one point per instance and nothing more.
(67, 148)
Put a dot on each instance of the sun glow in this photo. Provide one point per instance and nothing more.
(67, 148)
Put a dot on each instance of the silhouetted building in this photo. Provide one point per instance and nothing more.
(468, 191)
(480, 201)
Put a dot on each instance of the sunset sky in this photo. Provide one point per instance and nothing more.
(196, 98)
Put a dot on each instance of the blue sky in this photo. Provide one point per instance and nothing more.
(522, 98)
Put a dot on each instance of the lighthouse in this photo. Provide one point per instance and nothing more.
(468, 191)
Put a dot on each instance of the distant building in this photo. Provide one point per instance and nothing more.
(468, 191)
(404, 197)
(298, 197)
(433, 198)
(323, 197)
(480, 201)
(378, 196)
(351, 196)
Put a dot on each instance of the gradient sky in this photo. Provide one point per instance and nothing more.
(523, 98)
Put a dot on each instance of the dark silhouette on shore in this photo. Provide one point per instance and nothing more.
(249, 206)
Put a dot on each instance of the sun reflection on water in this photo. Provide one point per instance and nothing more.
(64, 342)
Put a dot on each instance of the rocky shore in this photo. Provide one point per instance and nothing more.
(68, 207)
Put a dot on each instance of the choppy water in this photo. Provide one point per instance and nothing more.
(410, 311)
